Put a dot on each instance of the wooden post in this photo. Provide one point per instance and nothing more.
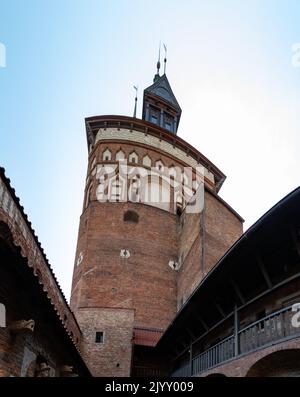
(191, 359)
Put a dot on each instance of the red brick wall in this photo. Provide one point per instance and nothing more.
(113, 356)
(190, 272)
(204, 238)
(142, 285)
(222, 229)
(144, 282)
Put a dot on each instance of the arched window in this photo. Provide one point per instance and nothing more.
(133, 157)
(159, 165)
(133, 189)
(107, 155)
(120, 155)
(168, 122)
(147, 161)
(131, 216)
(172, 172)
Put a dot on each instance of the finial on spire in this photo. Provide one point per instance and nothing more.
(135, 100)
(165, 59)
(158, 62)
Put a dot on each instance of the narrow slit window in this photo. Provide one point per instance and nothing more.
(99, 337)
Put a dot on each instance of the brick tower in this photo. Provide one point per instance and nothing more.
(140, 252)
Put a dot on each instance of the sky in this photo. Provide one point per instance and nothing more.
(233, 67)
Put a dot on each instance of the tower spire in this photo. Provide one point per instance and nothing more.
(158, 64)
(158, 61)
(165, 59)
(159, 103)
(135, 100)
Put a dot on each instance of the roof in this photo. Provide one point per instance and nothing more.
(52, 288)
(162, 89)
(237, 274)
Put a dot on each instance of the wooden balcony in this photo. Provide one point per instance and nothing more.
(272, 329)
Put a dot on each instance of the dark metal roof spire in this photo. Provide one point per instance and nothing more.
(165, 59)
(159, 103)
(157, 65)
(135, 100)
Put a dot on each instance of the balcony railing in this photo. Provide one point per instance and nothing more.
(271, 329)
(223, 351)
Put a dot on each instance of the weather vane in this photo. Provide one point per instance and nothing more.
(165, 59)
(135, 99)
(158, 62)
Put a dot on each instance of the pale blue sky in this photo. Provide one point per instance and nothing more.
(229, 63)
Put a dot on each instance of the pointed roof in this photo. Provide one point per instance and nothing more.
(161, 88)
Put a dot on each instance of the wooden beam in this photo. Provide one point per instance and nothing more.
(182, 340)
(190, 333)
(295, 239)
(220, 310)
(238, 291)
(185, 344)
(202, 322)
(181, 353)
(264, 271)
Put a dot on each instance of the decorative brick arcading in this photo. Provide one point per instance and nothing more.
(152, 141)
